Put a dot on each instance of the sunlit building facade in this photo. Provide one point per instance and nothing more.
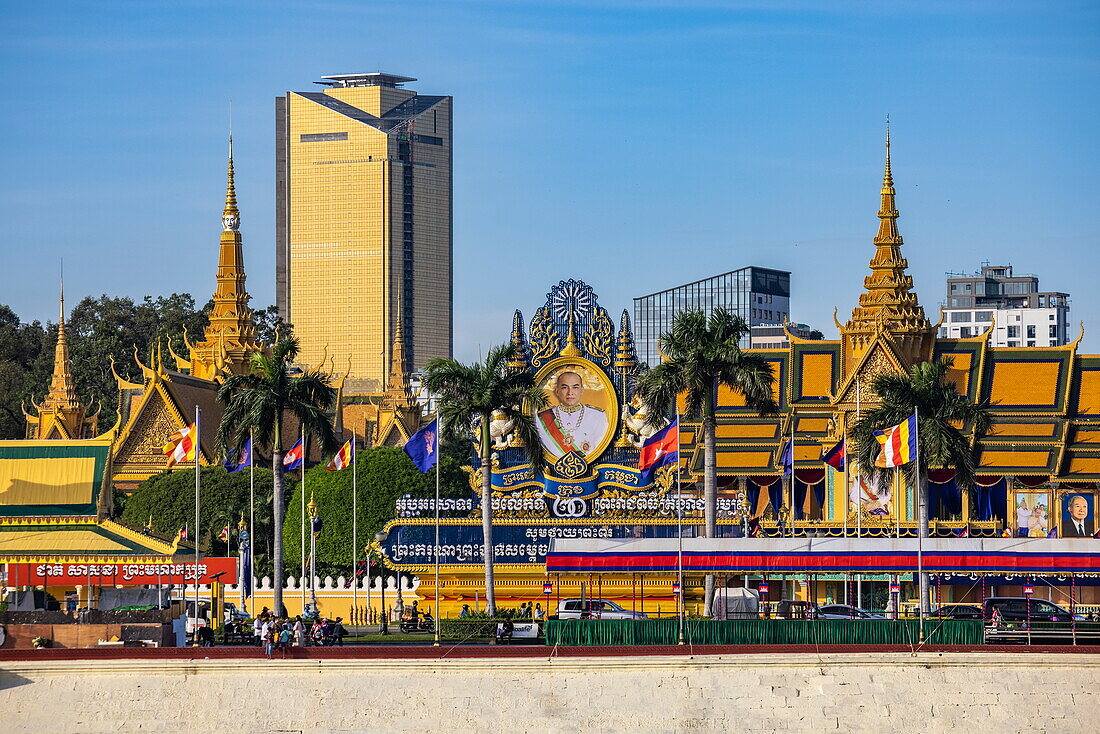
(364, 223)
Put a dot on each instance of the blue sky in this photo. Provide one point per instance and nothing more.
(636, 145)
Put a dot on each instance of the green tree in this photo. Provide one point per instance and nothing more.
(384, 474)
(468, 395)
(26, 358)
(941, 411)
(107, 327)
(270, 326)
(258, 402)
(702, 353)
(169, 499)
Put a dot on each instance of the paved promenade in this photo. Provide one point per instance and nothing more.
(823, 691)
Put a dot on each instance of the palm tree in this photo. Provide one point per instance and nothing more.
(941, 414)
(469, 395)
(701, 353)
(258, 402)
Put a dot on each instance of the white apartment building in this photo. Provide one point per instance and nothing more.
(1024, 316)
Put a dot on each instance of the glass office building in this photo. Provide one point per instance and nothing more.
(758, 295)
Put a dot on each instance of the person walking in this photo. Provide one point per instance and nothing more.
(539, 614)
(257, 631)
(339, 632)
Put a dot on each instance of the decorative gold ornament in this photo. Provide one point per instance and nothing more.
(545, 341)
(597, 338)
(571, 466)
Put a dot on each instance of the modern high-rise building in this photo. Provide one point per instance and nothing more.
(758, 295)
(364, 223)
(1023, 315)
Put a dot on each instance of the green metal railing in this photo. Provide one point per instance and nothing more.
(570, 633)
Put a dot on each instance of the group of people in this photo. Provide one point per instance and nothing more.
(278, 634)
(527, 610)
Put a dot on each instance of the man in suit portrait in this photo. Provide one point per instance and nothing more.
(1077, 524)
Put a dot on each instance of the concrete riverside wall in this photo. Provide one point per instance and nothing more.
(856, 692)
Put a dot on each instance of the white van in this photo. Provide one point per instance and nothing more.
(594, 609)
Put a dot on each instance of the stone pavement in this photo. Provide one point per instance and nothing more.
(849, 692)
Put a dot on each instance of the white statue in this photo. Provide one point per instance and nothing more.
(499, 429)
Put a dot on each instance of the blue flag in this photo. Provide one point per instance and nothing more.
(787, 457)
(246, 570)
(241, 459)
(423, 447)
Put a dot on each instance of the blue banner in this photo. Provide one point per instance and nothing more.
(603, 476)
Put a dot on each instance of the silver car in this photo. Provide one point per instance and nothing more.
(594, 609)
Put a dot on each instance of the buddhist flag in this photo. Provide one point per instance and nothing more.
(898, 443)
(223, 534)
(181, 446)
(342, 459)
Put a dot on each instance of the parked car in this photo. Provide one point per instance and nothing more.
(595, 609)
(958, 611)
(845, 611)
(1020, 609)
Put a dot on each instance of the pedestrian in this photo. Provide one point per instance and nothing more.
(539, 614)
(506, 629)
(465, 611)
(339, 632)
(285, 637)
(257, 631)
(268, 637)
(299, 632)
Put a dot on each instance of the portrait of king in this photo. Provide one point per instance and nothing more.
(574, 420)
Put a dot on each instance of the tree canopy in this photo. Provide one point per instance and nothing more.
(98, 329)
(384, 475)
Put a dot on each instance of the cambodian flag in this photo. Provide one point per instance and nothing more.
(423, 447)
(660, 449)
(292, 459)
(835, 457)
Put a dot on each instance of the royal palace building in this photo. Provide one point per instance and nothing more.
(1039, 464)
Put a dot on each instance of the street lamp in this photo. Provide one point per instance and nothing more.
(314, 528)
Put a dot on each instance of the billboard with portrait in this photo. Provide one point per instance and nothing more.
(1078, 515)
(1032, 514)
(581, 412)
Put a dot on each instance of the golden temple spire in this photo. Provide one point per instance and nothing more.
(399, 390)
(62, 395)
(62, 415)
(230, 338)
(888, 302)
(231, 216)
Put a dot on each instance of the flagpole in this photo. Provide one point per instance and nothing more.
(195, 540)
(859, 501)
(438, 468)
(355, 531)
(251, 511)
(921, 530)
(679, 534)
(301, 578)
